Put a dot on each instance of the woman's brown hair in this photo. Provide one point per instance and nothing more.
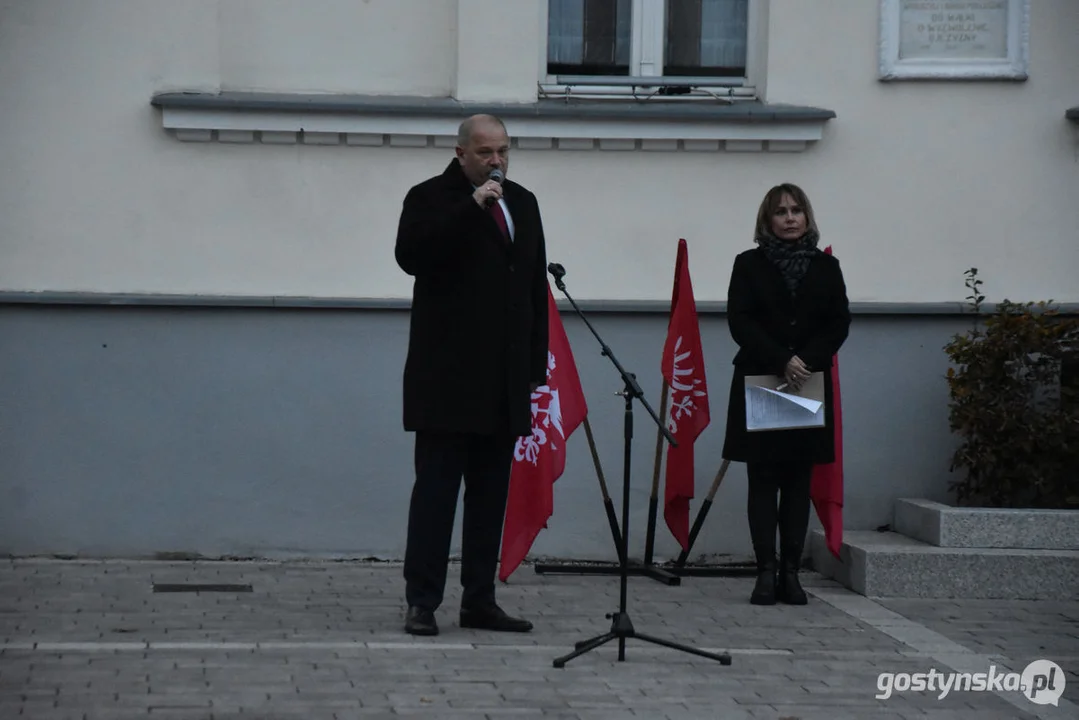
(771, 203)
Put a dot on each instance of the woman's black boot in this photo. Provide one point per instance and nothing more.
(763, 517)
(789, 590)
(764, 592)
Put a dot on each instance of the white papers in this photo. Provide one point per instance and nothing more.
(811, 405)
(771, 409)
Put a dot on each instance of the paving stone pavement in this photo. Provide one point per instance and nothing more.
(324, 640)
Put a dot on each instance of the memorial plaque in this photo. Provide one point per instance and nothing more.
(975, 29)
(954, 39)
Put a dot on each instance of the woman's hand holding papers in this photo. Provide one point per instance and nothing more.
(796, 373)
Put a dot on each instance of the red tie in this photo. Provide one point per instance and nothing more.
(500, 219)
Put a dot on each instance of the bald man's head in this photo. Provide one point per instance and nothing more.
(482, 145)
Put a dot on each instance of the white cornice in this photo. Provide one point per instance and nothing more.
(548, 125)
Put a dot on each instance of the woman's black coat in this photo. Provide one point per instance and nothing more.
(770, 328)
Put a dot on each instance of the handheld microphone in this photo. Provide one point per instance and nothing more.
(556, 270)
(498, 176)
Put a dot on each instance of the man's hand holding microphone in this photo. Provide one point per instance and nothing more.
(491, 191)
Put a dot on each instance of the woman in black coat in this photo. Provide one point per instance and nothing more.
(787, 311)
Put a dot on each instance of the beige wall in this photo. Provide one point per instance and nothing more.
(913, 182)
(921, 180)
(386, 47)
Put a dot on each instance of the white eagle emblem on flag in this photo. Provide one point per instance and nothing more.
(546, 413)
(683, 395)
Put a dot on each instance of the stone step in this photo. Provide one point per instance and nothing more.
(887, 564)
(961, 527)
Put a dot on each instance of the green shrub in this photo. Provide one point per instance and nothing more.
(1015, 405)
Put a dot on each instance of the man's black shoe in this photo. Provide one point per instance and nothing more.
(492, 617)
(419, 621)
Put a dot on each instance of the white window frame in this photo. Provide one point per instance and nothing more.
(647, 38)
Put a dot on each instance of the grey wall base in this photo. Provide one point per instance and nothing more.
(129, 431)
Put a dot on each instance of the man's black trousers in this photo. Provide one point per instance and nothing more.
(441, 460)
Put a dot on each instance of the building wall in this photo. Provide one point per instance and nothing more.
(914, 182)
(193, 424)
(400, 47)
(276, 432)
(96, 197)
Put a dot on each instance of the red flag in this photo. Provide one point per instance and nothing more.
(826, 488)
(558, 408)
(687, 414)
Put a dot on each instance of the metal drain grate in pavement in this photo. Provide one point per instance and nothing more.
(200, 587)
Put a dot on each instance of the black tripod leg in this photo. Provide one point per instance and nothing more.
(723, 658)
(585, 643)
(583, 647)
(657, 573)
(749, 570)
(634, 568)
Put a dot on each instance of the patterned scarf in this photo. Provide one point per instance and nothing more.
(792, 258)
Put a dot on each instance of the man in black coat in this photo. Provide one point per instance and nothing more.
(477, 348)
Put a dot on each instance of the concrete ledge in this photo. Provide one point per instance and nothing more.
(878, 564)
(548, 124)
(374, 303)
(959, 527)
(751, 111)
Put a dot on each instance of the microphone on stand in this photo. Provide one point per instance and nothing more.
(558, 272)
(498, 176)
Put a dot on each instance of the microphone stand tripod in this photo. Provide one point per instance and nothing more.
(635, 568)
(621, 625)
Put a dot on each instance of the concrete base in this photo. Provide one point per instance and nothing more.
(878, 564)
(960, 527)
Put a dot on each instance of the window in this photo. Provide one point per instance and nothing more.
(703, 42)
(588, 37)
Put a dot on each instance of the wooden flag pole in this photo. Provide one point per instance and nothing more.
(703, 511)
(729, 570)
(653, 500)
(612, 517)
(624, 567)
(646, 569)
